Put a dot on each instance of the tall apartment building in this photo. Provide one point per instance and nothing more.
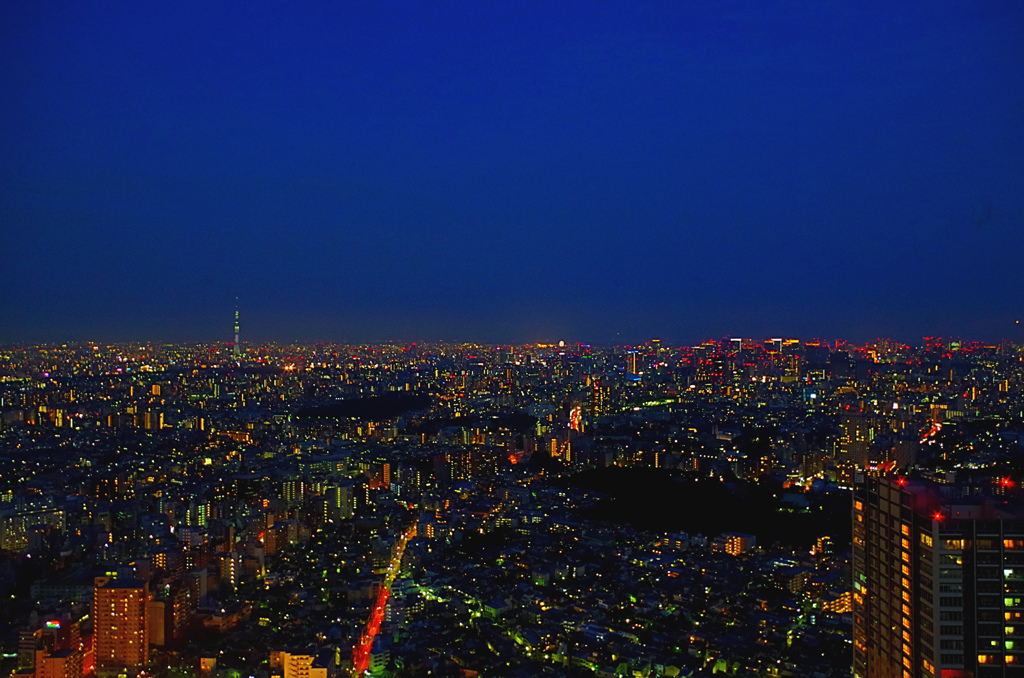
(120, 636)
(857, 431)
(938, 581)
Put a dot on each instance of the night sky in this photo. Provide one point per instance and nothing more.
(511, 172)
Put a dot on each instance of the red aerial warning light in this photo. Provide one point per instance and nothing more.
(937, 515)
(1006, 482)
(901, 481)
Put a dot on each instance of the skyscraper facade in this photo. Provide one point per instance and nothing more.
(938, 575)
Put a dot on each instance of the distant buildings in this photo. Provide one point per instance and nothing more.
(200, 470)
(27, 524)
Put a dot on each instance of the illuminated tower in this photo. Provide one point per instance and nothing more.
(631, 362)
(120, 638)
(237, 352)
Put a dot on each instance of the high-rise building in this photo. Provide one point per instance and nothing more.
(120, 638)
(632, 362)
(857, 431)
(938, 581)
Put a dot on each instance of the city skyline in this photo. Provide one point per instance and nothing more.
(484, 173)
(238, 349)
(747, 506)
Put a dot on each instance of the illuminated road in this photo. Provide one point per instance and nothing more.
(361, 652)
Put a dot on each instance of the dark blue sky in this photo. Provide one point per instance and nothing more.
(511, 171)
